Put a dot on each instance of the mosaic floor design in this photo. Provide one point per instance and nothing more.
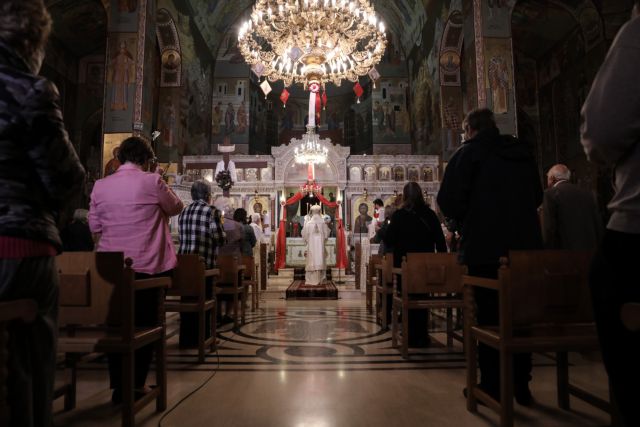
(301, 339)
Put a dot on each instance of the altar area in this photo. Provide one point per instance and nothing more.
(265, 182)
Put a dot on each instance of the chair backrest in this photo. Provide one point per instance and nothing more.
(249, 263)
(188, 277)
(425, 273)
(546, 287)
(373, 261)
(87, 284)
(387, 269)
(228, 269)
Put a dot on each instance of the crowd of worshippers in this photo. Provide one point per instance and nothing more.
(491, 199)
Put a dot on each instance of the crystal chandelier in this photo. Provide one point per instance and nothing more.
(309, 150)
(305, 41)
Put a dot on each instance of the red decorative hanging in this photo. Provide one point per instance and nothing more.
(284, 97)
(357, 89)
(318, 105)
(324, 100)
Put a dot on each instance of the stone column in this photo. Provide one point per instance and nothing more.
(493, 56)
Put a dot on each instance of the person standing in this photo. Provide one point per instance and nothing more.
(611, 137)
(414, 228)
(130, 212)
(248, 236)
(77, 236)
(40, 173)
(198, 235)
(570, 217)
(492, 188)
(315, 233)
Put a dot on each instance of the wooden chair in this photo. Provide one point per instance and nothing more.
(544, 306)
(250, 279)
(437, 275)
(384, 287)
(372, 280)
(630, 316)
(190, 280)
(231, 283)
(97, 303)
(25, 310)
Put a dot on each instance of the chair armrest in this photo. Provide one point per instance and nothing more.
(481, 282)
(240, 267)
(397, 271)
(212, 272)
(155, 282)
(24, 309)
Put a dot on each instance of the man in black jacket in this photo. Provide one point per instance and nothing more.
(570, 217)
(492, 188)
(39, 172)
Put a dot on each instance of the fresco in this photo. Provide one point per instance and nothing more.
(124, 16)
(121, 79)
(391, 123)
(230, 115)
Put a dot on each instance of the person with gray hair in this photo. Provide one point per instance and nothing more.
(198, 234)
(40, 173)
(570, 217)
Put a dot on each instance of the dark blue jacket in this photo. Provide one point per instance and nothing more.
(39, 168)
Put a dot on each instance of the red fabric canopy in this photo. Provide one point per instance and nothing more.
(281, 241)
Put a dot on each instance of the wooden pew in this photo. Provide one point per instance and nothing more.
(437, 278)
(190, 280)
(384, 287)
(231, 283)
(544, 306)
(372, 280)
(250, 280)
(97, 304)
(25, 310)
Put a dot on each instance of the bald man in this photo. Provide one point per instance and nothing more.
(570, 217)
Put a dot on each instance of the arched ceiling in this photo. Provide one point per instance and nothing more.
(215, 17)
(81, 26)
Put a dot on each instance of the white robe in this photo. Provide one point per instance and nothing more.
(315, 233)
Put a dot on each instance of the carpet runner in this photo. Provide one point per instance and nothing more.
(298, 290)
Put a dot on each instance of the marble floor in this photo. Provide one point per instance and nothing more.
(326, 363)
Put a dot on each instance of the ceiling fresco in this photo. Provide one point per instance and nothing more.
(89, 29)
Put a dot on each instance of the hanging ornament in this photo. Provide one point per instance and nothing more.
(318, 105)
(258, 69)
(284, 97)
(266, 88)
(324, 100)
(374, 75)
(357, 89)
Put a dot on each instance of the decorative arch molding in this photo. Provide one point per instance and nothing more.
(170, 50)
(337, 161)
(450, 58)
(586, 15)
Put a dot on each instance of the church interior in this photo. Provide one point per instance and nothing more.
(227, 95)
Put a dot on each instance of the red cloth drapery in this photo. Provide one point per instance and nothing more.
(281, 241)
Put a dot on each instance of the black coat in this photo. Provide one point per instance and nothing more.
(570, 218)
(414, 231)
(491, 187)
(39, 168)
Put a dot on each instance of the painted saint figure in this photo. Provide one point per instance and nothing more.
(216, 119)
(242, 119)
(229, 120)
(362, 221)
(315, 233)
(122, 76)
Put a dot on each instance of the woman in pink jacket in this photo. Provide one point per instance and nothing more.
(129, 212)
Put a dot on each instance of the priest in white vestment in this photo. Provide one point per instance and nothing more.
(315, 233)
